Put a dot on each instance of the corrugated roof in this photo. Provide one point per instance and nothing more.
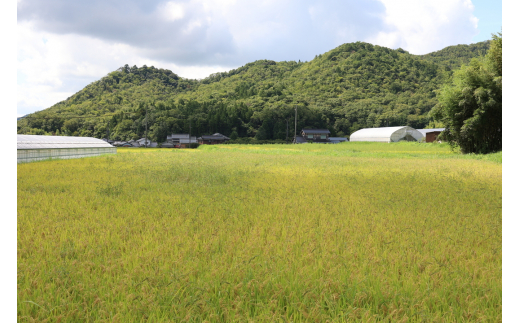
(425, 131)
(178, 136)
(221, 135)
(187, 141)
(53, 142)
(315, 131)
(338, 139)
(215, 136)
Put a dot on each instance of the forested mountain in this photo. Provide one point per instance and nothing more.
(353, 86)
(453, 57)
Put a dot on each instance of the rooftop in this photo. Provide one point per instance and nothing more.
(53, 142)
(315, 131)
(178, 136)
(215, 136)
(425, 131)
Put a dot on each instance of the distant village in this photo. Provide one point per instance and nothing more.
(173, 141)
(384, 134)
(35, 147)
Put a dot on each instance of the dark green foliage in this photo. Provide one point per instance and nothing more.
(470, 105)
(353, 86)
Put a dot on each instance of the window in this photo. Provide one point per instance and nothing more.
(323, 136)
(309, 136)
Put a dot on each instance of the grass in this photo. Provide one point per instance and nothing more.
(305, 233)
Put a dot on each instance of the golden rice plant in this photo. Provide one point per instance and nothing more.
(271, 233)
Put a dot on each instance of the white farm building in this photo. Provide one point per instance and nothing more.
(387, 134)
(32, 148)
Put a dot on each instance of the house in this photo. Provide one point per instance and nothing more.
(213, 139)
(316, 135)
(181, 140)
(431, 134)
(177, 138)
(313, 135)
(387, 134)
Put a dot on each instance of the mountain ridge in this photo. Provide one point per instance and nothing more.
(352, 86)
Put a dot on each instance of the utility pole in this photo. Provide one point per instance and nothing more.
(295, 119)
(108, 130)
(189, 136)
(146, 132)
(287, 132)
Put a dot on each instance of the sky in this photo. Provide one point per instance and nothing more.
(62, 46)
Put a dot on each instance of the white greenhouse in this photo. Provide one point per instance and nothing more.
(33, 148)
(387, 134)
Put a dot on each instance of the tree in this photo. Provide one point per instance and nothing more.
(470, 104)
(71, 125)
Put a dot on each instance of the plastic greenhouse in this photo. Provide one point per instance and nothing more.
(387, 134)
(33, 148)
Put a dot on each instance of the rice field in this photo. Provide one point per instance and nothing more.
(353, 232)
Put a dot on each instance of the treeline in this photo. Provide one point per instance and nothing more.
(353, 86)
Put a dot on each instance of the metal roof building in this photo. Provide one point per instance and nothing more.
(32, 148)
(315, 131)
(425, 131)
(430, 135)
(387, 134)
(213, 139)
(337, 140)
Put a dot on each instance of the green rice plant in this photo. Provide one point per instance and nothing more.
(353, 232)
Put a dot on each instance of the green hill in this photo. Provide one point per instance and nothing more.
(353, 86)
(453, 57)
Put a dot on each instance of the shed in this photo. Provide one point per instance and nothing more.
(182, 139)
(32, 147)
(430, 135)
(387, 134)
(299, 140)
(337, 140)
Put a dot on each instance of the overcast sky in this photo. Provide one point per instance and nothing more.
(65, 45)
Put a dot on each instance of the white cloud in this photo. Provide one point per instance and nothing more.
(171, 11)
(63, 45)
(425, 26)
(51, 71)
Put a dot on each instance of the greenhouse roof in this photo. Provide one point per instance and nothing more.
(376, 132)
(54, 142)
(386, 134)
